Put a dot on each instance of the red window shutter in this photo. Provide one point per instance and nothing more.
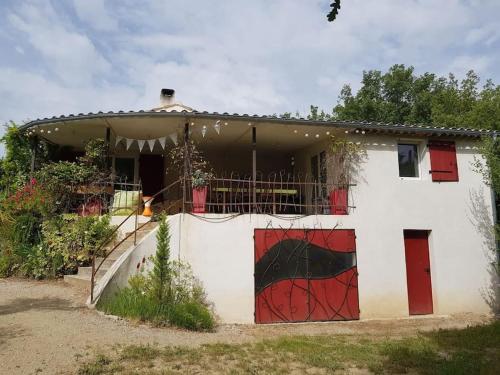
(338, 201)
(443, 161)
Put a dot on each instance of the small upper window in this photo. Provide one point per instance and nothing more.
(408, 160)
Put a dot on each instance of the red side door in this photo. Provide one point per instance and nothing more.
(418, 272)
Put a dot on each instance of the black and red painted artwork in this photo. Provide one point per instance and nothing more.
(305, 275)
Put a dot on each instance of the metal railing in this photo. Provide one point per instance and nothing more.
(135, 211)
(276, 195)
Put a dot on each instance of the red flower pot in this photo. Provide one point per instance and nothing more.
(199, 200)
(338, 201)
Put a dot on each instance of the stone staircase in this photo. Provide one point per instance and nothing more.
(82, 279)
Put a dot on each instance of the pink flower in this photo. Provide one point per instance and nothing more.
(33, 181)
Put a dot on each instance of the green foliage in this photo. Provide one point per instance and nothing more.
(95, 154)
(26, 232)
(400, 96)
(139, 303)
(169, 294)
(489, 164)
(52, 247)
(332, 15)
(343, 160)
(200, 178)
(16, 164)
(191, 315)
(161, 274)
(186, 158)
(61, 179)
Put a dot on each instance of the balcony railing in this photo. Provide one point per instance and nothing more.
(274, 196)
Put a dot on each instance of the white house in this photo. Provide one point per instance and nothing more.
(277, 238)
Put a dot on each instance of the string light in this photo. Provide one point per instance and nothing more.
(317, 135)
(217, 126)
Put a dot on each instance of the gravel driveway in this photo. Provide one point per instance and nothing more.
(45, 326)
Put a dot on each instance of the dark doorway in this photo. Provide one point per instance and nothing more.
(418, 272)
(151, 172)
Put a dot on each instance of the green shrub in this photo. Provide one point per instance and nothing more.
(161, 274)
(69, 241)
(169, 294)
(8, 263)
(51, 247)
(191, 315)
(127, 303)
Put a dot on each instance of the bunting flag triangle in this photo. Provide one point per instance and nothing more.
(162, 141)
(151, 144)
(129, 142)
(173, 137)
(118, 139)
(141, 143)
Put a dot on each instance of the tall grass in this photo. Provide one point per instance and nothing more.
(169, 294)
(127, 303)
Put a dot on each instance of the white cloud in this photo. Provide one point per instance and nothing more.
(68, 54)
(94, 13)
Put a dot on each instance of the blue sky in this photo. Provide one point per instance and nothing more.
(259, 56)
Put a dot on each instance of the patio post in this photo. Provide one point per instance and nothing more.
(34, 148)
(106, 146)
(254, 168)
(186, 140)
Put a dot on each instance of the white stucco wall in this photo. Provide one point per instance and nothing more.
(458, 214)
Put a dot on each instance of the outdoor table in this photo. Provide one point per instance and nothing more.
(243, 190)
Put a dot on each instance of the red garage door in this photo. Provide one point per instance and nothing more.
(305, 275)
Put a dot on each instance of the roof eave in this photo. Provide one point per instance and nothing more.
(361, 125)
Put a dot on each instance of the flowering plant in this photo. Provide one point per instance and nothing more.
(32, 197)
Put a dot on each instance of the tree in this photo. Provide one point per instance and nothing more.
(401, 96)
(16, 164)
(161, 274)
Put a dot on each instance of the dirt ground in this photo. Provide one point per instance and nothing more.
(45, 326)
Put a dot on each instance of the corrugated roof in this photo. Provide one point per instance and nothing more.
(361, 125)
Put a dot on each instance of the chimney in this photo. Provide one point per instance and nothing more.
(167, 97)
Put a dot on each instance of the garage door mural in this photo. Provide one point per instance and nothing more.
(305, 275)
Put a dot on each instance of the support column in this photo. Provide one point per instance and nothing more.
(186, 165)
(254, 168)
(106, 147)
(34, 150)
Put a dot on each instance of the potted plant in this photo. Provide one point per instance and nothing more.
(199, 182)
(188, 159)
(343, 158)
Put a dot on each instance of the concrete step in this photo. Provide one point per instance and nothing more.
(87, 271)
(79, 282)
(82, 279)
(107, 263)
